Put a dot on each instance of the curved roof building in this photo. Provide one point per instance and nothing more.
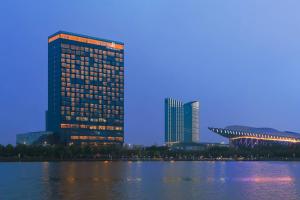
(249, 136)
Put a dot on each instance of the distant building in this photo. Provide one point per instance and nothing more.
(85, 89)
(191, 122)
(133, 146)
(181, 122)
(31, 137)
(174, 127)
(195, 146)
(250, 137)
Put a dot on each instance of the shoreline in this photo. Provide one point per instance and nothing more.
(146, 160)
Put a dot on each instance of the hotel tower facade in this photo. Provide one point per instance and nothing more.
(85, 89)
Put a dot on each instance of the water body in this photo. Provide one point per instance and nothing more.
(150, 180)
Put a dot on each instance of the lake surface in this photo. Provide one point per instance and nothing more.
(150, 180)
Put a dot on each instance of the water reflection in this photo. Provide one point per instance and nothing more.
(150, 180)
(276, 180)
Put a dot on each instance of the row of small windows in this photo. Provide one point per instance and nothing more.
(87, 79)
(92, 90)
(90, 119)
(98, 64)
(91, 67)
(89, 84)
(101, 103)
(93, 112)
(75, 97)
(75, 110)
(92, 127)
(67, 105)
(98, 59)
(85, 92)
(89, 106)
(80, 88)
(92, 50)
(96, 138)
(85, 117)
(104, 113)
(66, 77)
(104, 95)
(72, 106)
(95, 62)
(92, 70)
(85, 59)
(67, 98)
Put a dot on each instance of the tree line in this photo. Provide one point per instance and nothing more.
(110, 152)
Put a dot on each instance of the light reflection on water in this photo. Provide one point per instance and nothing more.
(150, 180)
(277, 180)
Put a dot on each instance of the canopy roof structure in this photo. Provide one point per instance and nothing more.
(266, 134)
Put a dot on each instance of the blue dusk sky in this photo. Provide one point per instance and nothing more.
(240, 59)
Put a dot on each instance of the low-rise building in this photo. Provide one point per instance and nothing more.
(196, 146)
(31, 137)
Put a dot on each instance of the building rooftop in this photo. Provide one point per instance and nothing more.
(267, 131)
(84, 36)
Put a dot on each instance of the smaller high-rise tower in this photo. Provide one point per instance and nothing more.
(181, 122)
(173, 121)
(191, 122)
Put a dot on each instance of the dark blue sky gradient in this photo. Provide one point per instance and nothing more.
(240, 59)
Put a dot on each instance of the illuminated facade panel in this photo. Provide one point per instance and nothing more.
(86, 88)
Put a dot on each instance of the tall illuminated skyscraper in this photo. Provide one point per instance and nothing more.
(85, 89)
(181, 122)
